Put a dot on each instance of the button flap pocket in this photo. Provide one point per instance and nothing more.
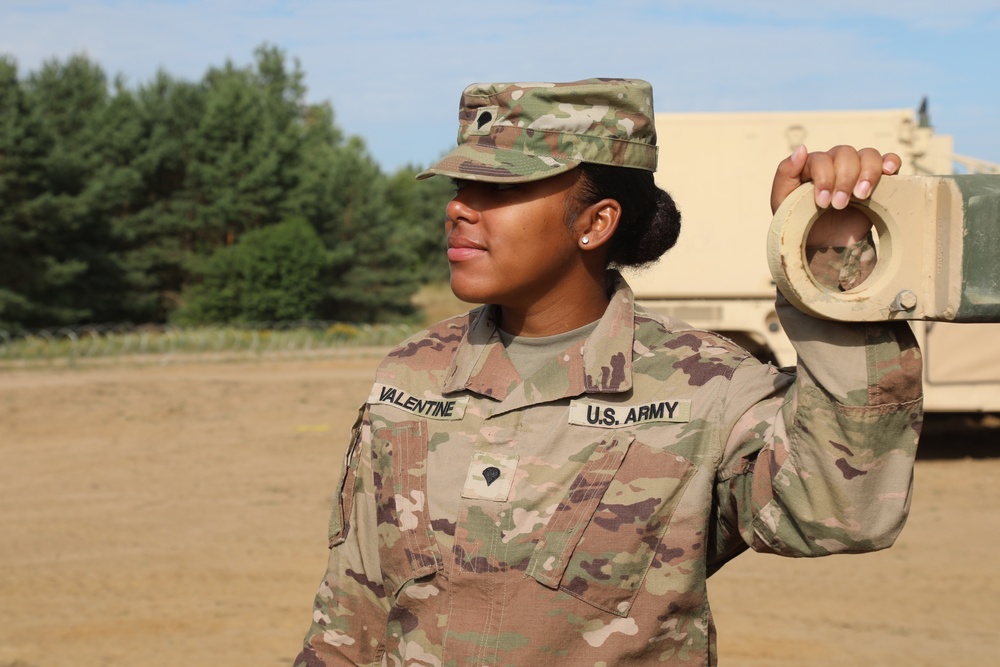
(612, 552)
(406, 541)
(575, 510)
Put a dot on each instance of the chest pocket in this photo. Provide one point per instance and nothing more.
(407, 547)
(605, 532)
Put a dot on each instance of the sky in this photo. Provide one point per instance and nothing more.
(393, 70)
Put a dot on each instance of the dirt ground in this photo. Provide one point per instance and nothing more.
(175, 514)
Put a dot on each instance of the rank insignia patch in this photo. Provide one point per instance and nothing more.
(490, 476)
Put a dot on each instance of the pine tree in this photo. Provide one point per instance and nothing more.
(60, 267)
(119, 204)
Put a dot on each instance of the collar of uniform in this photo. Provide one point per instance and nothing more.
(607, 354)
(480, 363)
(602, 365)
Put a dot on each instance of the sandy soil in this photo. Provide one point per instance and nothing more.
(166, 515)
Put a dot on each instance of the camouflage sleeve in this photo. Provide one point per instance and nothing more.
(820, 461)
(350, 611)
(843, 268)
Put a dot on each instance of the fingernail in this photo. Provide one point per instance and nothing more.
(840, 199)
(862, 189)
(823, 198)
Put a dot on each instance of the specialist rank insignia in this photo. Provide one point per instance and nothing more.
(490, 476)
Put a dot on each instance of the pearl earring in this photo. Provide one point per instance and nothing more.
(584, 240)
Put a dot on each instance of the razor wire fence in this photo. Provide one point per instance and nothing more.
(300, 338)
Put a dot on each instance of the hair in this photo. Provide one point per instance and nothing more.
(650, 221)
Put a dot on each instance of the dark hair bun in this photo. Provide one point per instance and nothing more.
(650, 222)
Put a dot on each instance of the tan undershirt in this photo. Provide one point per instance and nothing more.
(530, 354)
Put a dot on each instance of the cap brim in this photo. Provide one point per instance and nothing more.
(496, 165)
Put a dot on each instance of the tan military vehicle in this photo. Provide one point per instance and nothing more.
(718, 167)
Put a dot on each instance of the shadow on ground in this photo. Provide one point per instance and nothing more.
(960, 436)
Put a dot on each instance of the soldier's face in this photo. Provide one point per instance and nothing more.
(509, 245)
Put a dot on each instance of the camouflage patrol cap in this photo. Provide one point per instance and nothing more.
(519, 132)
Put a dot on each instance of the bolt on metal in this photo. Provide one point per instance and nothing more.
(905, 300)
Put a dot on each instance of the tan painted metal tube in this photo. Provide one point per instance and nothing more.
(938, 252)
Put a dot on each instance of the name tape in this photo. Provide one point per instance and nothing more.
(436, 407)
(605, 415)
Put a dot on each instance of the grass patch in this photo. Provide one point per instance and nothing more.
(118, 341)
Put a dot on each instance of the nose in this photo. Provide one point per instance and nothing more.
(460, 210)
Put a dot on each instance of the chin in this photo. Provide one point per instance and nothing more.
(463, 294)
(470, 292)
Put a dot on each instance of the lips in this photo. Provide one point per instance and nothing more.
(461, 249)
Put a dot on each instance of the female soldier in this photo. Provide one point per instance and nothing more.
(550, 478)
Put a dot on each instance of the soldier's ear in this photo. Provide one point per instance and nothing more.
(596, 224)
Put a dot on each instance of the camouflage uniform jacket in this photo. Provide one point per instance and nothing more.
(573, 517)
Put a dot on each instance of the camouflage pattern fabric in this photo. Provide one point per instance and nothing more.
(843, 268)
(519, 132)
(572, 517)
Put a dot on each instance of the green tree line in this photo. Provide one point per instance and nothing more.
(226, 200)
